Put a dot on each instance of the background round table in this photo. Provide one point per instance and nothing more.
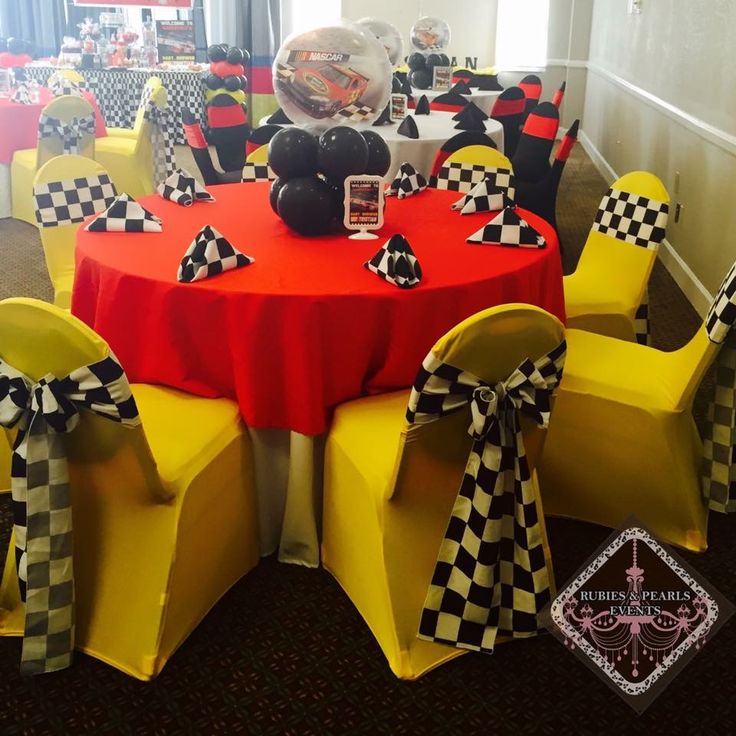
(434, 129)
(304, 328)
(483, 99)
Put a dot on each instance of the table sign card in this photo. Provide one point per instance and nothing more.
(363, 205)
(398, 107)
(441, 78)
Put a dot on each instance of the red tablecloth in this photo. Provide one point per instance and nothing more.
(305, 327)
(19, 123)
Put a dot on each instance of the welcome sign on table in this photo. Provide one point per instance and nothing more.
(363, 205)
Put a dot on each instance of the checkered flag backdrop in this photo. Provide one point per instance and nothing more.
(72, 200)
(407, 182)
(459, 177)
(42, 412)
(508, 228)
(257, 172)
(492, 576)
(210, 254)
(632, 218)
(719, 441)
(494, 193)
(125, 215)
(181, 187)
(396, 263)
(70, 131)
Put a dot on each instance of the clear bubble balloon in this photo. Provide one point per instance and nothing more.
(430, 35)
(388, 36)
(336, 75)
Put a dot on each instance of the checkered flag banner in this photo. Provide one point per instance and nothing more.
(458, 177)
(181, 187)
(70, 131)
(21, 95)
(719, 441)
(494, 193)
(408, 181)
(61, 85)
(125, 215)
(72, 200)
(508, 228)
(43, 411)
(257, 172)
(162, 144)
(209, 254)
(492, 576)
(632, 218)
(396, 263)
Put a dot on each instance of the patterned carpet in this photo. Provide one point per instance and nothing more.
(286, 653)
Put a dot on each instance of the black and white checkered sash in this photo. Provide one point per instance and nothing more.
(70, 131)
(162, 144)
(491, 576)
(43, 411)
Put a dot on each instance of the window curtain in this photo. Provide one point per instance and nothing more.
(42, 22)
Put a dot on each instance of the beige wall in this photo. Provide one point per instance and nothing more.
(680, 115)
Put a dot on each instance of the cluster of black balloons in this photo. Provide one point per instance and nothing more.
(308, 194)
(227, 68)
(420, 75)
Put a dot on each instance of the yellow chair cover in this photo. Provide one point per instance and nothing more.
(610, 282)
(469, 158)
(26, 162)
(129, 160)
(71, 74)
(151, 84)
(390, 486)
(164, 514)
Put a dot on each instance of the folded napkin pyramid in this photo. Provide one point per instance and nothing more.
(407, 181)
(61, 85)
(508, 228)
(385, 117)
(408, 128)
(422, 107)
(279, 118)
(494, 193)
(461, 88)
(487, 83)
(396, 263)
(181, 187)
(470, 111)
(125, 215)
(21, 94)
(210, 253)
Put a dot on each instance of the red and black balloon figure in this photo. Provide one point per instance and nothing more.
(227, 113)
(15, 53)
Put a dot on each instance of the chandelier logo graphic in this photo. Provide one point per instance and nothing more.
(636, 614)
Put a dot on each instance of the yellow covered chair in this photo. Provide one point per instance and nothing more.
(607, 293)
(71, 74)
(152, 83)
(623, 440)
(129, 160)
(391, 485)
(65, 110)
(468, 166)
(66, 190)
(164, 515)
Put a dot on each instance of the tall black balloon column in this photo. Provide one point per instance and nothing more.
(227, 113)
(308, 194)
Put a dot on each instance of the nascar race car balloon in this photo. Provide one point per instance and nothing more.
(430, 35)
(387, 35)
(336, 75)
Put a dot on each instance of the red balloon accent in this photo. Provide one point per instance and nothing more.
(223, 69)
(12, 61)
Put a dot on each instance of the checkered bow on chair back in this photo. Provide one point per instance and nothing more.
(719, 442)
(156, 114)
(492, 576)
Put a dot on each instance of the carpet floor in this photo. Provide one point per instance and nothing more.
(285, 652)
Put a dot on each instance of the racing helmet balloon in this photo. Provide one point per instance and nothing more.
(336, 75)
(387, 35)
(430, 35)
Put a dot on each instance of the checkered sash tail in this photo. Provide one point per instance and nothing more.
(492, 573)
(162, 145)
(42, 411)
(70, 131)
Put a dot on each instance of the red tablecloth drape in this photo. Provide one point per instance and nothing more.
(19, 123)
(305, 327)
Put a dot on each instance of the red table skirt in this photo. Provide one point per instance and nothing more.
(305, 327)
(19, 123)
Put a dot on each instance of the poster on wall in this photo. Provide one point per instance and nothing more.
(138, 3)
(175, 40)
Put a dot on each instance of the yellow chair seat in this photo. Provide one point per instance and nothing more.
(26, 157)
(121, 133)
(110, 144)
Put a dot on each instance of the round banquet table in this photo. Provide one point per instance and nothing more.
(434, 129)
(483, 99)
(301, 330)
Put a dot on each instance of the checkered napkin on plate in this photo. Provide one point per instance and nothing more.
(508, 228)
(125, 215)
(396, 263)
(210, 253)
(181, 187)
(492, 194)
(408, 181)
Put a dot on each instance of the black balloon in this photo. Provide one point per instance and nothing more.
(246, 56)
(306, 205)
(379, 155)
(416, 61)
(234, 55)
(395, 84)
(338, 201)
(421, 79)
(232, 83)
(342, 152)
(243, 82)
(274, 194)
(213, 81)
(445, 60)
(216, 53)
(292, 153)
(434, 60)
(16, 45)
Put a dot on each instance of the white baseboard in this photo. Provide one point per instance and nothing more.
(691, 286)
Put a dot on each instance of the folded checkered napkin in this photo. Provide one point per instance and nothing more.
(210, 253)
(508, 228)
(125, 215)
(61, 85)
(21, 94)
(407, 181)
(396, 263)
(492, 194)
(181, 187)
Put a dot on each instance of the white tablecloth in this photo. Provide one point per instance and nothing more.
(484, 100)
